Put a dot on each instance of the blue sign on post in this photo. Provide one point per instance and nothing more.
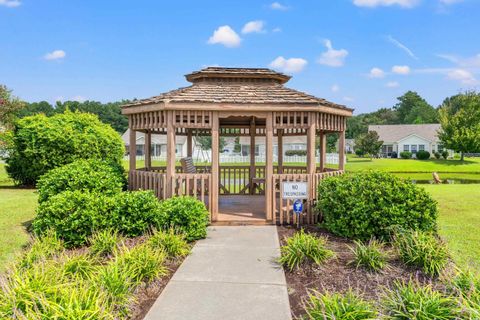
(298, 206)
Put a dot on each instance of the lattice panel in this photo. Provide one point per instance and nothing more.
(330, 122)
(291, 119)
(148, 120)
(192, 118)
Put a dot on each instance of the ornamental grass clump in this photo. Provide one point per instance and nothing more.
(422, 250)
(304, 248)
(79, 265)
(466, 285)
(103, 242)
(142, 263)
(171, 242)
(370, 256)
(414, 301)
(334, 306)
(117, 284)
(42, 248)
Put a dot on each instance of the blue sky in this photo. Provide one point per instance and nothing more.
(362, 53)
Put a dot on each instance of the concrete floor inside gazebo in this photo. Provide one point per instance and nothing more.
(238, 209)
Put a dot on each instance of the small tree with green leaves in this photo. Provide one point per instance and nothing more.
(9, 106)
(460, 121)
(368, 143)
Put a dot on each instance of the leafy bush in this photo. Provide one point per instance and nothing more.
(84, 175)
(186, 215)
(359, 152)
(423, 155)
(406, 155)
(413, 301)
(423, 250)
(437, 155)
(368, 205)
(173, 244)
(42, 143)
(296, 152)
(302, 248)
(103, 242)
(337, 306)
(74, 215)
(445, 154)
(371, 256)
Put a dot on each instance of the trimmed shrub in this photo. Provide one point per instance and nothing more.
(445, 154)
(84, 175)
(74, 215)
(359, 152)
(370, 256)
(437, 155)
(369, 204)
(296, 152)
(42, 143)
(406, 155)
(302, 248)
(413, 301)
(423, 155)
(186, 215)
(422, 250)
(335, 306)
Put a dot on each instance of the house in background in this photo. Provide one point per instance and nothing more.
(408, 137)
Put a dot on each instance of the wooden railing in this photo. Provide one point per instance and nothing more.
(283, 208)
(195, 185)
(148, 180)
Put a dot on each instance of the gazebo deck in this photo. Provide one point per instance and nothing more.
(242, 208)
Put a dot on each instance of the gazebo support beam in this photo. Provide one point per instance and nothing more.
(215, 167)
(132, 150)
(189, 143)
(253, 131)
(341, 151)
(280, 150)
(148, 150)
(323, 151)
(170, 154)
(269, 167)
(311, 165)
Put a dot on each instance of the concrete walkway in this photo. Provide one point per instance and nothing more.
(229, 275)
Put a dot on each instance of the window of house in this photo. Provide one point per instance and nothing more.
(440, 148)
(421, 147)
(406, 147)
(414, 148)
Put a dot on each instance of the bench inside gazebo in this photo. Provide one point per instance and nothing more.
(236, 102)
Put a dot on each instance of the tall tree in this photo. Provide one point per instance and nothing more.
(31, 109)
(412, 108)
(368, 143)
(460, 120)
(9, 106)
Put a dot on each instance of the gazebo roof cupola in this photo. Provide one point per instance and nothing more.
(237, 75)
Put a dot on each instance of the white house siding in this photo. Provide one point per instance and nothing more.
(413, 144)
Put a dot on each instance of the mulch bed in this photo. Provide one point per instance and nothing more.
(337, 276)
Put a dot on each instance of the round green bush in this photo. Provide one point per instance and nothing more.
(84, 175)
(41, 143)
(75, 215)
(370, 204)
(405, 155)
(423, 155)
(187, 215)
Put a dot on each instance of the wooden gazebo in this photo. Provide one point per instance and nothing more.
(236, 102)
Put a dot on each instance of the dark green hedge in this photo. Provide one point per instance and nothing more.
(369, 204)
(423, 155)
(84, 175)
(42, 143)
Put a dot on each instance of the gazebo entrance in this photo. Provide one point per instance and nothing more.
(237, 102)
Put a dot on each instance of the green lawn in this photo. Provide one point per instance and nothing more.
(17, 208)
(460, 220)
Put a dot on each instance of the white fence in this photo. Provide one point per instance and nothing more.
(332, 158)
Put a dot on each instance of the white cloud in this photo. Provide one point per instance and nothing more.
(226, 36)
(291, 65)
(386, 3)
(253, 26)
(335, 88)
(392, 84)
(332, 57)
(55, 55)
(404, 70)
(400, 45)
(278, 6)
(10, 3)
(471, 62)
(277, 29)
(376, 73)
(464, 76)
(348, 99)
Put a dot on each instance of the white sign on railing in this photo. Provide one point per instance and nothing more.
(295, 190)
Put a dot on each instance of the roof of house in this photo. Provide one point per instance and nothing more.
(396, 132)
(237, 85)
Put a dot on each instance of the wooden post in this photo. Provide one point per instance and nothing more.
(280, 150)
(269, 167)
(323, 151)
(170, 154)
(189, 143)
(341, 151)
(311, 165)
(132, 152)
(148, 150)
(215, 167)
(253, 170)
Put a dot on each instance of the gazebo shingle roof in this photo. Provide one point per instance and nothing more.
(237, 85)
